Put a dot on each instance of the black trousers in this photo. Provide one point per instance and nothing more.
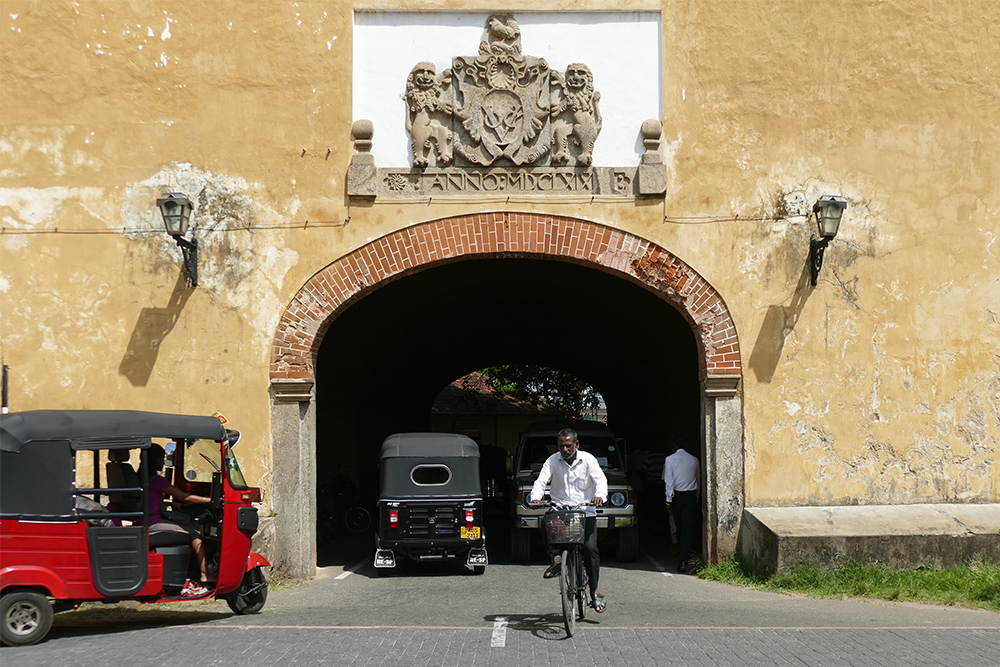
(591, 556)
(685, 507)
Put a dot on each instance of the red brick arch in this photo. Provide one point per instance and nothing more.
(499, 235)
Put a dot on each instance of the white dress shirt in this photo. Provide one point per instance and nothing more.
(680, 473)
(571, 484)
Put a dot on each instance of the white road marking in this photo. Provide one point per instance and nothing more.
(351, 570)
(662, 570)
(499, 639)
(644, 628)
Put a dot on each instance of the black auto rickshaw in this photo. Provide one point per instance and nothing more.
(430, 501)
(74, 515)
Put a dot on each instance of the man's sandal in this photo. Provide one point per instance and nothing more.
(552, 571)
(600, 604)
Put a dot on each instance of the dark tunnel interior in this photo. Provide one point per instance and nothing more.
(383, 361)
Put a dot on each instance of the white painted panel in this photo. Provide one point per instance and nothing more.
(622, 50)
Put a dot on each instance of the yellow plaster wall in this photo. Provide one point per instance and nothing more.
(880, 385)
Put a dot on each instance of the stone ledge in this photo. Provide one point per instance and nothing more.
(291, 390)
(773, 539)
(368, 181)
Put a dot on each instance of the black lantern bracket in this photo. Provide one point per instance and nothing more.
(190, 251)
(828, 212)
(176, 209)
(816, 248)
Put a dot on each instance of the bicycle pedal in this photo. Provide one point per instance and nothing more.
(557, 560)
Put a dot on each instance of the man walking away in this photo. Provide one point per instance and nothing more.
(680, 481)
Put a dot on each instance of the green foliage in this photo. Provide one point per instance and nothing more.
(975, 585)
(544, 386)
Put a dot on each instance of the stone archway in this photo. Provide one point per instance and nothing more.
(490, 236)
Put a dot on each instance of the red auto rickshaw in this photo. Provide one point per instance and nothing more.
(66, 538)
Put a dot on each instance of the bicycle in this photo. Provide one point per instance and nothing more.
(564, 529)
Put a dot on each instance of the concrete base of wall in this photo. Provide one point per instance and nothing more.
(263, 539)
(900, 536)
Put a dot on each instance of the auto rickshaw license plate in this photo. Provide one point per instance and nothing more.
(470, 533)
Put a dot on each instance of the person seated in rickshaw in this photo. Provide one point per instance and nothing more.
(160, 488)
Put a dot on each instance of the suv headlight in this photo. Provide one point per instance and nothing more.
(618, 499)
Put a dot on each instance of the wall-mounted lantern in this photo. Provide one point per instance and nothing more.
(176, 209)
(828, 211)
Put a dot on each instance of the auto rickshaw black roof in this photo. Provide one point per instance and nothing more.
(103, 429)
(402, 452)
(37, 464)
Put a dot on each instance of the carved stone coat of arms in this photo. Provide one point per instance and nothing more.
(501, 108)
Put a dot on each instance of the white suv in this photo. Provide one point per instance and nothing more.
(615, 520)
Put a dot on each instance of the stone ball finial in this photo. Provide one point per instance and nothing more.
(651, 129)
(363, 130)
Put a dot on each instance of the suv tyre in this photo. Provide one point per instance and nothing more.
(520, 545)
(628, 544)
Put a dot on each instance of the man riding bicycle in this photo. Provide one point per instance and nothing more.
(576, 478)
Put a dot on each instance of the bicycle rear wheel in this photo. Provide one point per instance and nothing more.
(582, 586)
(567, 587)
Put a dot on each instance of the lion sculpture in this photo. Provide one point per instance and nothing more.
(577, 115)
(428, 112)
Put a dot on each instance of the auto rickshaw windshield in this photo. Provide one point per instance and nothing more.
(236, 479)
(200, 460)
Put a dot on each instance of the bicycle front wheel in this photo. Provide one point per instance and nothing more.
(567, 586)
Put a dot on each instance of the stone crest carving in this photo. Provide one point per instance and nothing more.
(503, 123)
(502, 108)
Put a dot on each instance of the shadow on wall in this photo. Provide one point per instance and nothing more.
(778, 323)
(151, 328)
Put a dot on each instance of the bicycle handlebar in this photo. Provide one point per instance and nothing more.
(549, 503)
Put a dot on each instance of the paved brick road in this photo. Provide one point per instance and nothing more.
(444, 615)
(517, 645)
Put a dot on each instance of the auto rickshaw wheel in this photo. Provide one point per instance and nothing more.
(250, 597)
(479, 569)
(26, 616)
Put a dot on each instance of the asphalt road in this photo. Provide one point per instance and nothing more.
(443, 614)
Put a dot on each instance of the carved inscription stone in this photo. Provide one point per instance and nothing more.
(508, 180)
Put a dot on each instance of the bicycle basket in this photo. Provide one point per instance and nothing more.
(563, 527)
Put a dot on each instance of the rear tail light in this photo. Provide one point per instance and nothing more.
(470, 517)
(251, 495)
(393, 519)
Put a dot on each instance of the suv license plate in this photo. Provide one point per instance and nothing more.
(470, 533)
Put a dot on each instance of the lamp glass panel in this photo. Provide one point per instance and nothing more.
(829, 221)
(175, 217)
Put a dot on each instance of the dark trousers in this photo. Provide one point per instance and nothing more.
(685, 508)
(591, 556)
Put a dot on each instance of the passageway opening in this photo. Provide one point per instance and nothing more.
(385, 357)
